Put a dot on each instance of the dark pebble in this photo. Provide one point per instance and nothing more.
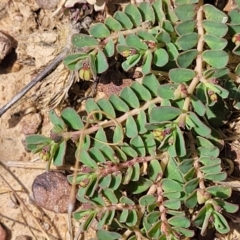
(51, 191)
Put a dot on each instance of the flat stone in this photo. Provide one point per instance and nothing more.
(51, 191)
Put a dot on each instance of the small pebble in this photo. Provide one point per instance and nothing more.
(3, 234)
(51, 191)
(30, 123)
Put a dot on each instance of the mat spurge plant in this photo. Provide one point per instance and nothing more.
(147, 161)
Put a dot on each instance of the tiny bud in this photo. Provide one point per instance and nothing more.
(212, 95)
(85, 72)
(181, 92)
(55, 137)
(128, 52)
(236, 39)
(45, 153)
(151, 44)
(202, 196)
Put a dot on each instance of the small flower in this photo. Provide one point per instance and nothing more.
(151, 44)
(160, 133)
(214, 80)
(236, 39)
(85, 72)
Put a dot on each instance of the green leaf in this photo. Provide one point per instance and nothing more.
(190, 186)
(104, 234)
(100, 138)
(105, 181)
(147, 200)
(147, 12)
(154, 232)
(180, 143)
(91, 106)
(141, 186)
(73, 58)
(118, 135)
(116, 181)
(200, 127)
(208, 151)
(103, 220)
(169, 185)
(92, 65)
(123, 216)
(113, 24)
(220, 223)
(80, 214)
(136, 172)
(183, 231)
(172, 171)
(86, 159)
(131, 127)
(160, 57)
(123, 19)
(178, 2)
(191, 200)
(172, 51)
(222, 192)
(99, 30)
(37, 139)
(214, 42)
(198, 106)
(129, 150)
(209, 160)
(228, 207)
(58, 123)
(132, 218)
(141, 121)
(163, 37)
(186, 58)
(129, 96)
(134, 14)
(179, 221)
(134, 41)
(138, 144)
(185, 11)
(172, 204)
(187, 41)
(145, 35)
(96, 155)
(160, 114)
(146, 67)
(109, 194)
(107, 107)
(214, 14)
(151, 83)
(109, 48)
(101, 62)
(158, 11)
(141, 91)
(180, 75)
(72, 119)
(131, 62)
(166, 91)
(185, 27)
(216, 58)
(215, 28)
(83, 40)
(109, 153)
(59, 156)
(118, 103)
(216, 177)
(126, 200)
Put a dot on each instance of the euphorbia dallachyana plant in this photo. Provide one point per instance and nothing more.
(148, 158)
